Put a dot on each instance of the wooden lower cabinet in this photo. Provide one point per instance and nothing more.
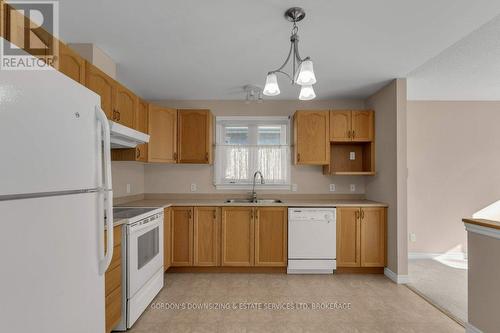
(113, 283)
(361, 237)
(237, 236)
(271, 236)
(167, 238)
(206, 236)
(182, 236)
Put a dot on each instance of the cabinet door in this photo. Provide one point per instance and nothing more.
(348, 237)
(312, 137)
(237, 236)
(125, 106)
(195, 136)
(71, 64)
(206, 236)
(103, 85)
(362, 125)
(142, 126)
(373, 237)
(340, 125)
(162, 145)
(182, 236)
(271, 236)
(167, 238)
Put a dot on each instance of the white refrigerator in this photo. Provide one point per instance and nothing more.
(55, 190)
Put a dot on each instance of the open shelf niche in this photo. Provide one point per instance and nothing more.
(351, 159)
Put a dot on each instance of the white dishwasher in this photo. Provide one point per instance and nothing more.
(311, 240)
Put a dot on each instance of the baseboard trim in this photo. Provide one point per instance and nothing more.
(469, 328)
(433, 255)
(359, 270)
(226, 269)
(399, 279)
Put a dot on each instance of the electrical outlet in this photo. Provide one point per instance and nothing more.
(128, 188)
(352, 155)
(413, 237)
(352, 187)
(294, 187)
(332, 188)
(193, 187)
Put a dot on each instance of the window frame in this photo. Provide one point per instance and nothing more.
(221, 122)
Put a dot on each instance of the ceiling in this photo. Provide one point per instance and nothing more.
(210, 49)
(468, 70)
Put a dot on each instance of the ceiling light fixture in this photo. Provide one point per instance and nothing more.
(304, 76)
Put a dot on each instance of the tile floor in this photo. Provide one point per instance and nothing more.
(442, 281)
(376, 305)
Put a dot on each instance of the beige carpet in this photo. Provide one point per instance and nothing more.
(259, 303)
(443, 282)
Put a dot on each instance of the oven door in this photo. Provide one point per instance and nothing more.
(144, 252)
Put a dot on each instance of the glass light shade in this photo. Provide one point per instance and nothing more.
(307, 93)
(271, 88)
(306, 75)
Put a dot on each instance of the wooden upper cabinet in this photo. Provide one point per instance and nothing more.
(271, 236)
(373, 237)
(340, 125)
(125, 106)
(71, 64)
(182, 236)
(348, 237)
(351, 125)
(312, 137)
(206, 236)
(362, 125)
(167, 238)
(237, 236)
(99, 82)
(195, 136)
(162, 145)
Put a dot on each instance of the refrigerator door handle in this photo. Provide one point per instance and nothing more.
(108, 193)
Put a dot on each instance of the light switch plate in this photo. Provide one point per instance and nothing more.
(128, 188)
(294, 187)
(352, 156)
(193, 187)
(352, 187)
(413, 237)
(332, 188)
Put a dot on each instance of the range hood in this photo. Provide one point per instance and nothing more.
(126, 137)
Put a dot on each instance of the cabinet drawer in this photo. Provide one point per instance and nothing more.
(117, 257)
(113, 280)
(113, 309)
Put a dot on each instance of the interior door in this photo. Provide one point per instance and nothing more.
(340, 125)
(206, 236)
(348, 237)
(182, 236)
(162, 145)
(362, 125)
(373, 237)
(271, 236)
(237, 236)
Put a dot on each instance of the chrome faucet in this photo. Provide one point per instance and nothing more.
(254, 194)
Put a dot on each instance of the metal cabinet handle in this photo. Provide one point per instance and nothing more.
(215, 215)
(190, 214)
(206, 156)
(362, 213)
(353, 134)
(356, 215)
(298, 157)
(138, 154)
(119, 115)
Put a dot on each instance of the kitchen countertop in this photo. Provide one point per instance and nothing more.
(286, 203)
(483, 223)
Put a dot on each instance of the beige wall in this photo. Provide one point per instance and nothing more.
(389, 184)
(483, 276)
(454, 163)
(310, 179)
(124, 173)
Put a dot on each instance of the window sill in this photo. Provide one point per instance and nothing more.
(282, 187)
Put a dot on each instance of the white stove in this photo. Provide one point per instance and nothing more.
(143, 253)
